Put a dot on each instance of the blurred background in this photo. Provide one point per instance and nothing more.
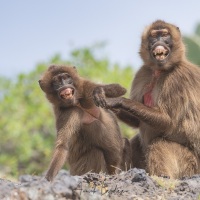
(102, 38)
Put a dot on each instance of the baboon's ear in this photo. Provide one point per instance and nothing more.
(41, 84)
(75, 69)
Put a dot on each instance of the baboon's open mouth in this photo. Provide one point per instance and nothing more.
(160, 52)
(67, 93)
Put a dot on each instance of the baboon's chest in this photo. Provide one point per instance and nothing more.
(150, 91)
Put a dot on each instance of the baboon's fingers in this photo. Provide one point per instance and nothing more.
(99, 97)
(113, 102)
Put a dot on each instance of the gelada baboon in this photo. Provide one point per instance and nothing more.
(164, 104)
(88, 137)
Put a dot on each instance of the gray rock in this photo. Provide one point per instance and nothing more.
(132, 184)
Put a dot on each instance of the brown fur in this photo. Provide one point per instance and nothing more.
(168, 142)
(126, 155)
(88, 137)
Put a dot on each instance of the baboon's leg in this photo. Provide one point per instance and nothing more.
(92, 161)
(137, 154)
(126, 162)
(166, 158)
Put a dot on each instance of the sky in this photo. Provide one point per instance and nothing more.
(34, 31)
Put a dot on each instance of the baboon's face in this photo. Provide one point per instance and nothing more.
(64, 86)
(61, 83)
(160, 44)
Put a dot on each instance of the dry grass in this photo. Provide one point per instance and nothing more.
(165, 183)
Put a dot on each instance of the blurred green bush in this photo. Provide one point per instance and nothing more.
(192, 43)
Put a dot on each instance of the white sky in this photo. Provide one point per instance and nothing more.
(34, 31)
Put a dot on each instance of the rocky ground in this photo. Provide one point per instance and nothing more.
(133, 184)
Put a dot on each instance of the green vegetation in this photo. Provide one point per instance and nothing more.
(168, 184)
(193, 45)
(27, 128)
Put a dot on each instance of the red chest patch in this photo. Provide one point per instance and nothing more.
(148, 97)
(148, 100)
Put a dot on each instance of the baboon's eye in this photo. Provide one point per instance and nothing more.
(165, 32)
(153, 33)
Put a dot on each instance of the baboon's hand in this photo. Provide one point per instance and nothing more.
(99, 97)
(114, 102)
(101, 94)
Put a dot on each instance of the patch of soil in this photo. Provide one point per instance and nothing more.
(133, 184)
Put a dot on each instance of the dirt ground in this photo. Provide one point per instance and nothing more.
(133, 184)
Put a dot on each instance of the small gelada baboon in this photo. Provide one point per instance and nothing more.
(88, 137)
(164, 104)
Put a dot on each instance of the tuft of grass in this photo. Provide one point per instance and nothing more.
(168, 184)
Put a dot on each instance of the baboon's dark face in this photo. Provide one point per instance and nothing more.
(162, 47)
(65, 88)
(160, 44)
(61, 85)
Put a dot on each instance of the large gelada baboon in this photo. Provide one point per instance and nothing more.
(88, 137)
(164, 104)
